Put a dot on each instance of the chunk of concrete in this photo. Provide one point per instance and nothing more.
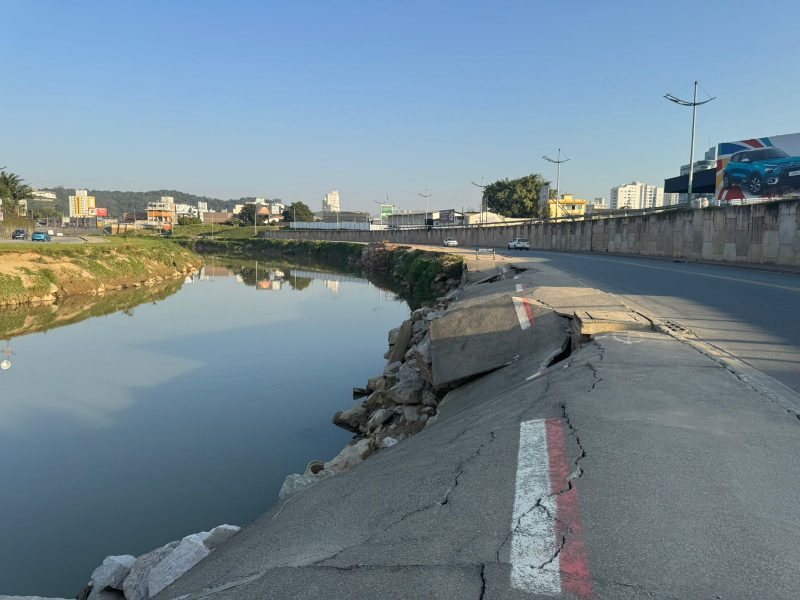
(136, 584)
(219, 535)
(479, 336)
(190, 551)
(111, 573)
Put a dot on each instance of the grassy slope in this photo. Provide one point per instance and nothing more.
(33, 270)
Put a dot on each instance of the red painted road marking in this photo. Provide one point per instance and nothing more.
(573, 558)
(546, 512)
(524, 310)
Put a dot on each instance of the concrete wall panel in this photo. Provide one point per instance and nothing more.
(762, 233)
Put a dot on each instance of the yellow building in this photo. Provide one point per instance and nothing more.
(567, 206)
(81, 204)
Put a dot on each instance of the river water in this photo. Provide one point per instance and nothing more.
(119, 433)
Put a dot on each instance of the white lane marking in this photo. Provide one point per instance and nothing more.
(723, 277)
(533, 541)
(522, 314)
(519, 287)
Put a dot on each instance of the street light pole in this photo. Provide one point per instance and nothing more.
(694, 104)
(483, 187)
(557, 162)
(426, 195)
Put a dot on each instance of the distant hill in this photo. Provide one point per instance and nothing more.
(119, 202)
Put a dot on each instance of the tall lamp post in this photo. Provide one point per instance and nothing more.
(483, 188)
(426, 195)
(558, 161)
(694, 104)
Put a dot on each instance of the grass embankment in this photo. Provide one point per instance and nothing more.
(37, 272)
(338, 255)
(419, 276)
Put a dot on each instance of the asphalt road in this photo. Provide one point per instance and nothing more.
(67, 239)
(750, 314)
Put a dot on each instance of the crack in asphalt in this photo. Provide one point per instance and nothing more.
(461, 467)
(403, 517)
(483, 581)
(638, 588)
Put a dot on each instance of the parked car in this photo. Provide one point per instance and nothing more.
(758, 169)
(450, 242)
(19, 234)
(40, 236)
(519, 244)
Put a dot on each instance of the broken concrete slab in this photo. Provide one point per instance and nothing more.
(489, 333)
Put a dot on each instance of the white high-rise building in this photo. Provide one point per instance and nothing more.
(636, 195)
(330, 203)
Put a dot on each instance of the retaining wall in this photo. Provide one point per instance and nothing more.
(762, 233)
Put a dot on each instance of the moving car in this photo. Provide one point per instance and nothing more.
(758, 169)
(519, 244)
(40, 236)
(451, 242)
(19, 234)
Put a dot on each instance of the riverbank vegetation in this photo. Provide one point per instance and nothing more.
(31, 273)
(415, 275)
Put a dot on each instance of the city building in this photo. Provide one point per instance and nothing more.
(566, 206)
(81, 204)
(636, 195)
(703, 180)
(345, 216)
(162, 213)
(217, 218)
(330, 203)
(43, 196)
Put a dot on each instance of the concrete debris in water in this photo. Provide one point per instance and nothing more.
(143, 577)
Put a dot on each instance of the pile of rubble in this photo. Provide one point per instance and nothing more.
(401, 401)
(139, 578)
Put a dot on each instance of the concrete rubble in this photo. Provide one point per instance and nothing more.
(140, 578)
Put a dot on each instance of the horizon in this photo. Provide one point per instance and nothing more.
(291, 102)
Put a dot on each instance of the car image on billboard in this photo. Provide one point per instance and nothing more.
(758, 169)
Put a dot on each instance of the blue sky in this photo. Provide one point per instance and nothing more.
(293, 99)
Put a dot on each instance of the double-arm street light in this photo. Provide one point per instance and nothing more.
(558, 161)
(426, 195)
(694, 104)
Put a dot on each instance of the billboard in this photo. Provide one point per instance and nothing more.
(101, 212)
(758, 169)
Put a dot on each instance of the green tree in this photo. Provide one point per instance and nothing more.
(517, 198)
(298, 211)
(247, 214)
(189, 221)
(12, 190)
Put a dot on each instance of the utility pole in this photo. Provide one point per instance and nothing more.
(483, 188)
(694, 104)
(558, 162)
(426, 195)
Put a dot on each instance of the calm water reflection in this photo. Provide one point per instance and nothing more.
(120, 433)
